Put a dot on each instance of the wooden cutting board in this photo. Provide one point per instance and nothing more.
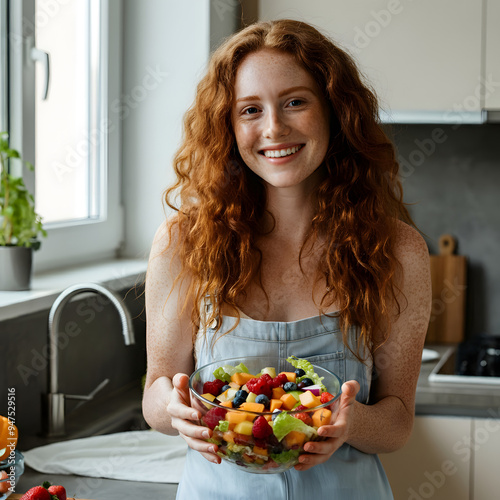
(449, 283)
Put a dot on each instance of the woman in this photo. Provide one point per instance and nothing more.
(291, 237)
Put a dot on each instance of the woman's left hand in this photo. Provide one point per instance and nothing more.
(336, 434)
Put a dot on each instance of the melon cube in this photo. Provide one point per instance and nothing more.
(255, 407)
(210, 397)
(241, 378)
(291, 376)
(260, 451)
(294, 439)
(289, 401)
(278, 392)
(309, 399)
(321, 417)
(275, 404)
(244, 428)
(251, 397)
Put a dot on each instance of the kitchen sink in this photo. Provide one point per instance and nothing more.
(445, 373)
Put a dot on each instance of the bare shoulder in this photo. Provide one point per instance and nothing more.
(409, 243)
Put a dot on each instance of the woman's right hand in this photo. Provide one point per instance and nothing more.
(182, 415)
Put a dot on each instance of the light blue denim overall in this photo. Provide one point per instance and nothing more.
(349, 474)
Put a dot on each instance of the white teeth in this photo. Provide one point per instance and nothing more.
(278, 153)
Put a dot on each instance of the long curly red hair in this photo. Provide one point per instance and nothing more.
(357, 203)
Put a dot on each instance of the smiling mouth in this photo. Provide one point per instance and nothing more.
(280, 153)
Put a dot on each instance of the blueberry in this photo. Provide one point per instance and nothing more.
(290, 386)
(262, 399)
(237, 401)
(305, 382)
(300, 372)
(241, 394)
(225, 388)
(275, 414)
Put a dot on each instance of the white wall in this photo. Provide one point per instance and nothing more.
(165, 50)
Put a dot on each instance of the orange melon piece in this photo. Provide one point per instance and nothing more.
(255, 407)
(289, 401)
(235, 417)
(228, 436)
(309, 399)
(291, 376)
(227, 404)
(294, 438)
(275, 404)
(241, 378)
(278, 392)
(260, 451)
(321, 417)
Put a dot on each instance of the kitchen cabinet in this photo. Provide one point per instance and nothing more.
(424, 59)
(486, 445)
(434, 463)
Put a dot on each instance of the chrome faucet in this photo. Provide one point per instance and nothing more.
(55, 425)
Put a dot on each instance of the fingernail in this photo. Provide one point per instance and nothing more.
(212, 449)
(206, 434)
(194, 416)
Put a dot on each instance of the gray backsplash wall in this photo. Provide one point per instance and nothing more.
(451, 176)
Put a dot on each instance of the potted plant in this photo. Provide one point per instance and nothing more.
(20, 225)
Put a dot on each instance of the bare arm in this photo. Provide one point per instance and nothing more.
(169, 345)
(386, 425)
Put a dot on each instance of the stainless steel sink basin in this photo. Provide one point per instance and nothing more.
(444, 373)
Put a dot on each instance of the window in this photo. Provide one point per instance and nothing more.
(64, 70)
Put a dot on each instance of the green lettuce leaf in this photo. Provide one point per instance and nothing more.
(285, 423)
(308, 368)
(285, 456)
(224, 372)
(223, 426)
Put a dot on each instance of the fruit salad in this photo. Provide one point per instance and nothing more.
(261, 421)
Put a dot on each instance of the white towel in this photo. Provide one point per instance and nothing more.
(146, 456)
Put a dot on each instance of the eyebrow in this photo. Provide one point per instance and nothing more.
(281, 94)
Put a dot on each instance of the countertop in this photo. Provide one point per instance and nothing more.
(454, 399)
(431, 399)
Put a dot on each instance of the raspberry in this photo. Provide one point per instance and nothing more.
(259, 386)
(279, 380)
(325, 397)
(305, 417)
(213, 387)
(267, 378)
(300, 408)
(212, 417)
(261, 428)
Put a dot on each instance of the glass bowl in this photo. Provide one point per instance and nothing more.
(243, 439)
(13, 466)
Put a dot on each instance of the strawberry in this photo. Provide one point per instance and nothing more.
(305, 417)
(4, 485)
(325, 397)
(58, 490)
(261, 428)
(213, 416)
(37, 493)
(214, 387)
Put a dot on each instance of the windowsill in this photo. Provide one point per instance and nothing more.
(116, 274)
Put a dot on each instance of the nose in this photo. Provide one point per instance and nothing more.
(275, 125)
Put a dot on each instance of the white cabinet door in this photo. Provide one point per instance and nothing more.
(421, 56)
(486, 443)
(435, 463)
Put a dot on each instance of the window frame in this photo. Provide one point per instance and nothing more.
(77, 242)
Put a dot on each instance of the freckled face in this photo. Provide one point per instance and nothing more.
(280, 119)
